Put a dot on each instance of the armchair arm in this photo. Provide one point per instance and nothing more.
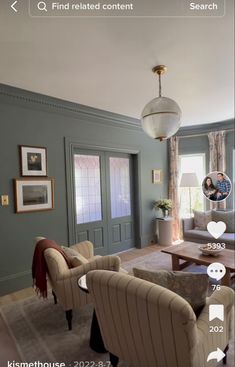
(104, 263)
(84, 248)
(188, 224)
(224, 296)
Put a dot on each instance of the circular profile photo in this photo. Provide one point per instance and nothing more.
(216, 186)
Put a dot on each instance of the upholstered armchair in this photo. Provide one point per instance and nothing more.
(64, 280)
(149, 326)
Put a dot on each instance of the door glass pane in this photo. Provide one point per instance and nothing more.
(120, 187)
(87, 188)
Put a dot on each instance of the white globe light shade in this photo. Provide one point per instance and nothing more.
(161, 118)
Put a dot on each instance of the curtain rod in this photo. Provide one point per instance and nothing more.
(202, 134)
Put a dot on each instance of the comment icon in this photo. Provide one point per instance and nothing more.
(216, 271)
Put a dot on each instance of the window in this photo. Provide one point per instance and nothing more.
(191, 163)
(87, 188)
(120, 187)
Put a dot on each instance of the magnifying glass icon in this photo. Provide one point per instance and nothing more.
(42, 6)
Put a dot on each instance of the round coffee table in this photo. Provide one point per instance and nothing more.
(82, 284)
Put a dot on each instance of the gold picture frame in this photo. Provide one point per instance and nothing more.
(156, 176)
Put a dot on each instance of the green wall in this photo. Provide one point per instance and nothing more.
(31, 119)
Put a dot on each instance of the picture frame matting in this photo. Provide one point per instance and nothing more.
(34, 194)
(33, 161)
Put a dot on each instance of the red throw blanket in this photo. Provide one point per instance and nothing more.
(39, 265)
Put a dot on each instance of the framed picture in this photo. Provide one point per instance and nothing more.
(157, 176)
(33, 194)
(33, 161)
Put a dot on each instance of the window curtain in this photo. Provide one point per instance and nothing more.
(217, 160)
(173, 184)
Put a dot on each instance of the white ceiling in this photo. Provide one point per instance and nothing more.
(106, 63)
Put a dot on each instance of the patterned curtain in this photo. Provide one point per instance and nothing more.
(217, 158)
(173, 185)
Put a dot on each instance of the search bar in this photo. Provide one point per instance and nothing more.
(126, 8)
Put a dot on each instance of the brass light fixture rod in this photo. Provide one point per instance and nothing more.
(159, 70)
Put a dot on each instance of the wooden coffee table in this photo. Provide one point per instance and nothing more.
(190, 253)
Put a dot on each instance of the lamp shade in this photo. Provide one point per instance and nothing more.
(189, 180)
(160, 118)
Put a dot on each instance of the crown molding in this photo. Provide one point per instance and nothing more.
(206, 128)
(95, 115)
(21, 96)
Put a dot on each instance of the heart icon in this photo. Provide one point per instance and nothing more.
(216, 229)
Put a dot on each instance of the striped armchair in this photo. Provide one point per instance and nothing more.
(149, 326)
(64, 280)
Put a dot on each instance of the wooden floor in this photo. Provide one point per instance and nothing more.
(16, 296)
(8, 350)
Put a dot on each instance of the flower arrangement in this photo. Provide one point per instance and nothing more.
(164, 204)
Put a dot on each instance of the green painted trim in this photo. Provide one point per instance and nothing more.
(94, 114)
(15, 275)
(14, 282)
(206, 128)
(73, 143)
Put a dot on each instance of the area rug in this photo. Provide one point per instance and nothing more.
(40, 330)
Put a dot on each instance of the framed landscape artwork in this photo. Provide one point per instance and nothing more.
(156, 176)
(33, 161)
(33, 194)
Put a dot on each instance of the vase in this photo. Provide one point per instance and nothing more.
(165, 213)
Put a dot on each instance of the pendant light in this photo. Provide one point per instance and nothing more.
(161, 117)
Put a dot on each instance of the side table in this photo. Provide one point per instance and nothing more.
(164, 231)
(96, 341)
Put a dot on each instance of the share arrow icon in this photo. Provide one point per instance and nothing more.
(217, 354)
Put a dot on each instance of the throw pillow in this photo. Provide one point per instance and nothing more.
(181, 283)
(201, 219)
(78, 260)
(75, 258)
(226, 217)
(69, 251)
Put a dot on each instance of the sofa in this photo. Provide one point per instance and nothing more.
(195, 229)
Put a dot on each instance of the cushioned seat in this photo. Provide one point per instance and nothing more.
(226, 237)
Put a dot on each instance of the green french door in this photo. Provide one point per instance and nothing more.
(103, 195)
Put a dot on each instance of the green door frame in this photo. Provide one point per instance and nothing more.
(72, 144)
